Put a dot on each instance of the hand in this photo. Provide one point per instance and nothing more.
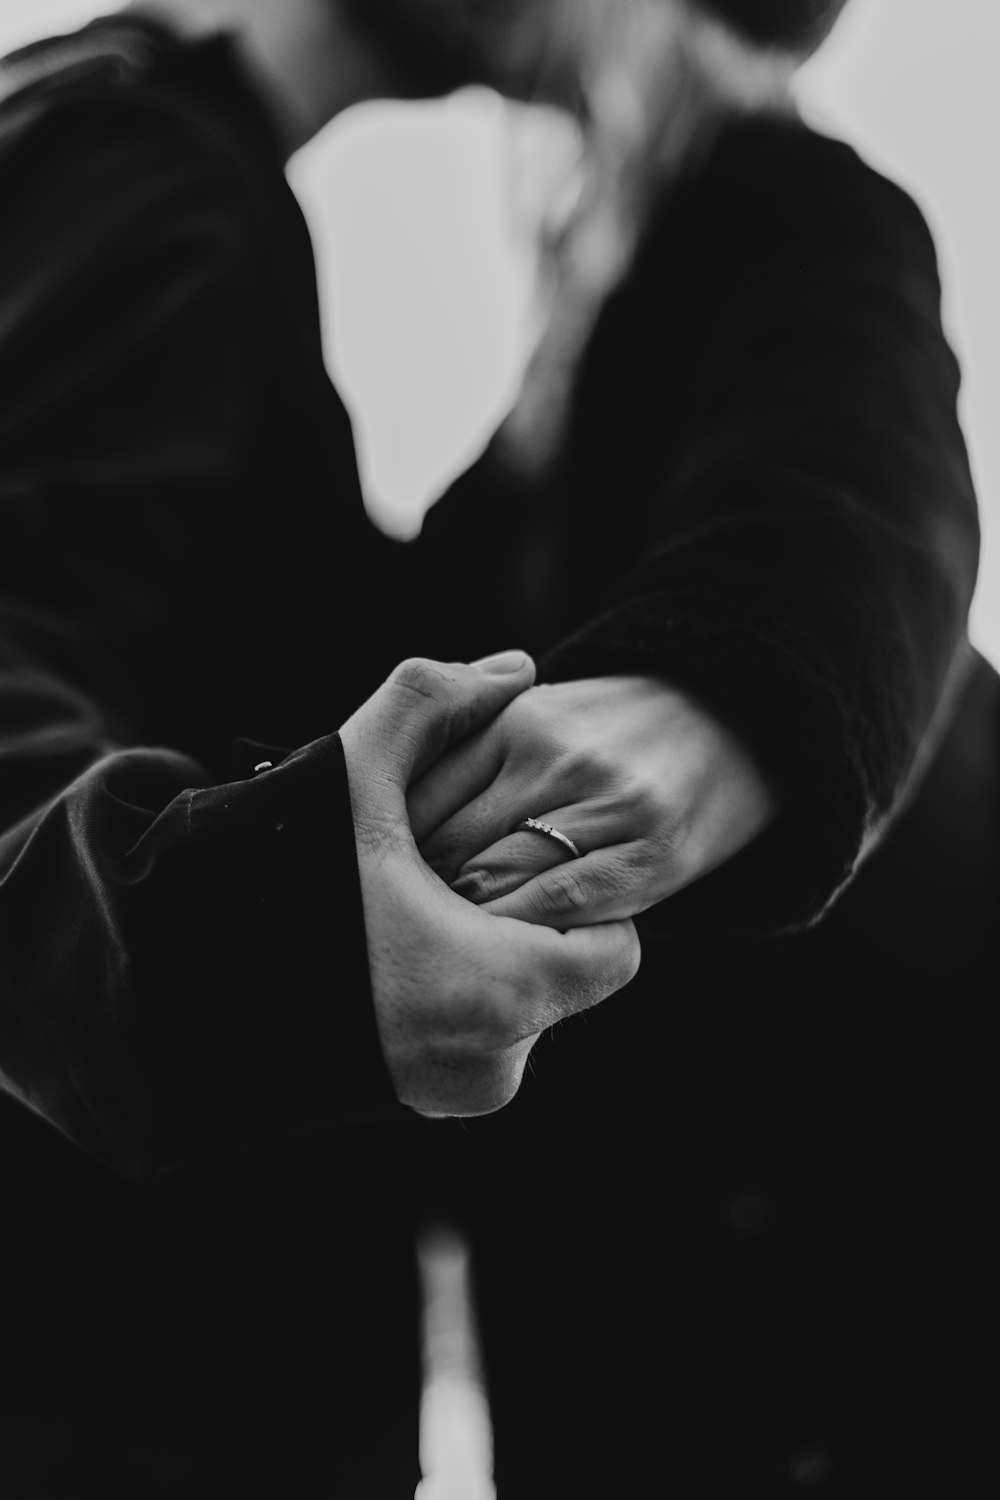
(653, 790)
(460, 996)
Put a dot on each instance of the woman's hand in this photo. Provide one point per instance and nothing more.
(652, 789)
(460, 996)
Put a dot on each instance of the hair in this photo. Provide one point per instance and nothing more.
(658, 80)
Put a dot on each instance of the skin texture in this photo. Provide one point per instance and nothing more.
(460, 996)
(652, 789)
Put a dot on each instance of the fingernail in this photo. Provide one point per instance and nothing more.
(503, 663)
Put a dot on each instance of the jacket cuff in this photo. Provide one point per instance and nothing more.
(285, 1039)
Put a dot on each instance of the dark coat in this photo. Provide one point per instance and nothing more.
(739, 1226)
(209, 1261)
(746, 1217)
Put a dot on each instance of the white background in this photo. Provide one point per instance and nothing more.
(425, 286)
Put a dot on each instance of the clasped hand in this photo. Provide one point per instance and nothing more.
(650, 786)
(460, 996)
(453, 758)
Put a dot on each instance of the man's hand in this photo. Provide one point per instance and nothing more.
(460, 996)
(652, 789)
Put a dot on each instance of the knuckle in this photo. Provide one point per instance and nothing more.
(588, 761)
(578, 766)
(658, 831)
(477, 883)
(606, 768)
(626, 881)
(642, 804)
(646, 800)
(424, 679)
(561, 892)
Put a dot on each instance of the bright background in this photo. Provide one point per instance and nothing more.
(426, 284)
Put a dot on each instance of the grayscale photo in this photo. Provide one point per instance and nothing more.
(499, 749)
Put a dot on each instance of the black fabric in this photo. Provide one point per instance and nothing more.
(184, 981)
(799, 25)
(737, 1235)
(772, 398)
(757, 1226)
(148, 439)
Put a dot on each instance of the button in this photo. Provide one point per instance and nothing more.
(253, 757)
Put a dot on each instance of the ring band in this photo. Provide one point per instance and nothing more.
(537, 826)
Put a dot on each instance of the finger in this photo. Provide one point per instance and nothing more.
(472, 697)
(507, 865)
(425, 706)
(497, 813)
(490, 870)
(582, 967)
(456, 780)
(608, 885)
(489, 817)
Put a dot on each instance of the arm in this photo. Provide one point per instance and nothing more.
(806, 554)
(814, 550)
(183, 956)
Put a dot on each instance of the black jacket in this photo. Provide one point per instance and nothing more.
(768, 1172)
(183, 974)
(765, 496)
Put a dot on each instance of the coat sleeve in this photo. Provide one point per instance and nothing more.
(811, 548)
(182, 955)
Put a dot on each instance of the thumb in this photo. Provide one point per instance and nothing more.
(426, 706)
